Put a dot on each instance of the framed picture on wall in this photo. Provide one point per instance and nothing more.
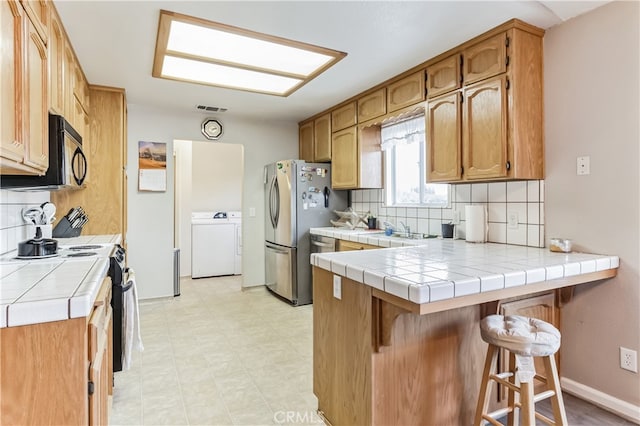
(152, 166)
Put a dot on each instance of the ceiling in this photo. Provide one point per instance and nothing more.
(115, 42)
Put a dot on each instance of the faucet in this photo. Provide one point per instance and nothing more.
(406, 229)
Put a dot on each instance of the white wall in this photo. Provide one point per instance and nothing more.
(151, 216)
(592, 109)
(217, 173)
(13, 228)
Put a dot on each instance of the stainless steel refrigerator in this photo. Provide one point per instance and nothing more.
(298, 196)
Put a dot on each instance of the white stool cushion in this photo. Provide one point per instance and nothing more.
(520, 335)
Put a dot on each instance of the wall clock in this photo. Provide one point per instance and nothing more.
(212, 129)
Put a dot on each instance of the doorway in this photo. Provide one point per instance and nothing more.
(208, 177)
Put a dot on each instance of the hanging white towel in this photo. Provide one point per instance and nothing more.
(131, 322)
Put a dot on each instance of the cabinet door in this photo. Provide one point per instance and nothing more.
(36, 105)
(305, 142)
(444, 160)
(345, 167)
(56, 65)
(12, 21)
(38, 12)
(322, 138)
(69, 76)
(372, 106)
(443, 76)
(405, 92)
(485, 129)
(485, 59)
(344, 117)
(99, 373)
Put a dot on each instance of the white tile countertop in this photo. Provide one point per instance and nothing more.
(440, 269)
(374, 237)
(53, 289)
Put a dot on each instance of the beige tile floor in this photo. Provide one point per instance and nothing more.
(218, 355)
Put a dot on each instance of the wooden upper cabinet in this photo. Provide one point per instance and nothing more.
(485, 59)
(38, 12)
(56, 64)
(322, 139)
(305, 142)
(69, 81)
(405, 92)
(344, 117)
(372, 105)
(443, 76)
(37, 104)
(24, 93)
(485, 141)
(444, 156)
(12, 23)
(344, 165)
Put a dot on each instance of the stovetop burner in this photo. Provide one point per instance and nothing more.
(86, 247)
(82, 254)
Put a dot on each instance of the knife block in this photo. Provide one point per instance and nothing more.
(64, 230)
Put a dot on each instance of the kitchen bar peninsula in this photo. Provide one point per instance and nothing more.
(396, 330)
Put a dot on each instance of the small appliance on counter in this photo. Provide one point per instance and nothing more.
(37, 247)
(71, 224)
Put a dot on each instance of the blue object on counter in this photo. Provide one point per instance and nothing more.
(388, 231)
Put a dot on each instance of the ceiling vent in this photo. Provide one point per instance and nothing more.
(205, 108)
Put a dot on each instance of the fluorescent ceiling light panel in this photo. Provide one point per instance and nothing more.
(195, 50)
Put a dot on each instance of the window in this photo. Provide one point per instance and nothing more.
(404, 147)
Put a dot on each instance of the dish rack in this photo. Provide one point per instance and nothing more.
(348, 219)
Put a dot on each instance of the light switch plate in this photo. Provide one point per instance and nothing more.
(583, 165)
(337, 286)
(512, 217)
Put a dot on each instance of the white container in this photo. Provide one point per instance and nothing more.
(476, 223)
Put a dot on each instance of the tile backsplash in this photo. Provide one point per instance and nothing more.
(13, 228)
(502, 199)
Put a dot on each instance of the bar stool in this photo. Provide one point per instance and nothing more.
(524, 338)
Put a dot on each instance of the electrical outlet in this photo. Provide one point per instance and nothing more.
(512, 219)
(337, 286)
(628, 359)
(252, 212)
(456, 217)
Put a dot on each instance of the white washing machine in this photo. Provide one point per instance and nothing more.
(214, 244)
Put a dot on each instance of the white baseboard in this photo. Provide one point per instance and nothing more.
(621, 408)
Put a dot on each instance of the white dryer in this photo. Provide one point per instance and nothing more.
(213, 244)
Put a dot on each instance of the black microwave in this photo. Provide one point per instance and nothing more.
(67, 161)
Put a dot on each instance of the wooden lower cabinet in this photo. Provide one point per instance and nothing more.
(46, 369)
(344, 245)
(377, 363)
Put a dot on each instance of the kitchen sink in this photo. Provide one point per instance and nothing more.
(413, 235)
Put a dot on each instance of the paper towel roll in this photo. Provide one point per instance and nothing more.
(476, 226)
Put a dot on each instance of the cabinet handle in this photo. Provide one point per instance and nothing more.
(508, 165)
(91, 388)
(507, 61)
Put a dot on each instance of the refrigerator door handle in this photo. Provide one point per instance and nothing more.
(277, 201)
(271, 202)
